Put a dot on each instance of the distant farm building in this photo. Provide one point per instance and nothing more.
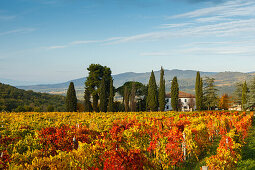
(187, 102)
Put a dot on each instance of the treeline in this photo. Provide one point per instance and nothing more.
(99, 94)
(14, 99)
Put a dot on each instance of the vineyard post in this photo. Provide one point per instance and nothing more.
(184, 146)
(205, 168)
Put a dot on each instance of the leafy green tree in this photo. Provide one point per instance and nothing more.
(141, 90)
(126, 99)
(210, 94)
(251, 95)
(50, 108)
(87, 102)
(175, 94)
(132, 98)
(71, 99)
(162, 91)
(111, 97)
(152, 98)
(199, 92)
(244, 96)
(237, 95)
(102, 96)
(118, 106)
(96, 73)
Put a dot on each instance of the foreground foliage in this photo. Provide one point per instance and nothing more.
(147, 140)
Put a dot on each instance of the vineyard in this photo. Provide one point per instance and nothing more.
(146, 140)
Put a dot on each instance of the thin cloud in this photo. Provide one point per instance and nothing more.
(227, 9)
(5, 18)
(56, 47)
(175, 25)
(80, 42)
(21, 30)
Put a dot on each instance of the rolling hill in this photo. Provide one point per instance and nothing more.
(12, 98)
(225, 81)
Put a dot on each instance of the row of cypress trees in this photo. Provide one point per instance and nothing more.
(156, 97)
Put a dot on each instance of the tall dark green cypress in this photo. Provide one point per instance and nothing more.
(102, 96)
(95, 102)
(175, 94)
(162, 91)
(132, 98)
(111, 97)
(71, 99)
(87, 102)
(199, 92)
(152, 98)
(126, 99)
(244, 96)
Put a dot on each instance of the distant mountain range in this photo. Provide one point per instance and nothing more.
(225, 81)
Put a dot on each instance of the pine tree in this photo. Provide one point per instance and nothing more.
(102, 96)
(162, 93)
(111, 97)
(251, 95)
(132, 98)
(199, 91)
(175, 94)
(87, 102)
(237, 96)
(71, 100)
(152, 98)
(244, 96)
(210, 94)
(96, 73)
(126, 99)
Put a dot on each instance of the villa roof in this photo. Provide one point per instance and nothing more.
(181, 95)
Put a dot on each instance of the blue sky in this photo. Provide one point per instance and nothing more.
(49, 41)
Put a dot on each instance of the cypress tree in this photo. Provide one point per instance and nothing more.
(126, 99)
(152, 98)
(71, 100)
(102, 96)
(162, 93)
(111, 97)
(95, 102)
(132, 98)
(175, 94)
(87, 102)
(244, 96)
(199, 91)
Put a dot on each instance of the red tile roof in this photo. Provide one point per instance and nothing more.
(181, 95)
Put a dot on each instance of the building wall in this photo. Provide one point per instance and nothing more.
(184, 101)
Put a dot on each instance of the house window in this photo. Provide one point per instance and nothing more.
(185, 100)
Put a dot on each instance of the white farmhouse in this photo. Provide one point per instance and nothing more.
(187, 102)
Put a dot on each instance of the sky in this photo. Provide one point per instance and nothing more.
(51, 41)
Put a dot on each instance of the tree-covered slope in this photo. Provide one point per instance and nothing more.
(14, 99)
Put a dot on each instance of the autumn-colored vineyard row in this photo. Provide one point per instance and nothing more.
(147, 140)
